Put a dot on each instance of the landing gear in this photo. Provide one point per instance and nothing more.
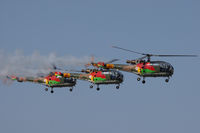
(143, 81)
(71, 89)
(46, 89)
(52, 90)
(91, 86)
(117, 87)
(167, 80)
(98, 88)
(138, 79)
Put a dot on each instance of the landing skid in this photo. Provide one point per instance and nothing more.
(52, 90)
(143, 81)
(71, 89)
(98, 88)
(117, 87)
(46, 89)
(138, 79)
(167, 80)
(91, 86)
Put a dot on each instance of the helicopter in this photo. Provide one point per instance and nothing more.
(98, 77)
(52, 80)
(141, 67)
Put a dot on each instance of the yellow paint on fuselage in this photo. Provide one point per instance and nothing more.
(46, 81)
(66, 75)
(110, 66)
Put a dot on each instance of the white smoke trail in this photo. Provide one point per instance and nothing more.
(29, 65)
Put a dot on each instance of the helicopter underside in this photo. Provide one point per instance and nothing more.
(61, 85)
(155, 75)
(107, 82)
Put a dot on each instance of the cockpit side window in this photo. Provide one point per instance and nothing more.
(164, 67)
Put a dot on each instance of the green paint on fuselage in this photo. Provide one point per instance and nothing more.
(96, 79)
(143, 71)
(52, 82)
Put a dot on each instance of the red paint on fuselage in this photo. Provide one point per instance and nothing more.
(54, 78)
(98, 74)
(146, 66)
(100, 63)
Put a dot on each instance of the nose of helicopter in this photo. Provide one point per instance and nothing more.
(171, 70)
(121, 77)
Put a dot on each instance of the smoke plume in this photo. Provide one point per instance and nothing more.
(29, 65)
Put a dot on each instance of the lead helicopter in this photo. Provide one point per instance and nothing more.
(141, 67)
(52, 80)
(98, 77)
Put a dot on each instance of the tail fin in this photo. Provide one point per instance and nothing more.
(11, 77)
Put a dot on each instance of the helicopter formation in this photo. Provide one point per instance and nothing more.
(105, 73)
(64, 79)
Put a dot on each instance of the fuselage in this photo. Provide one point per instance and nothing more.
(144, 69)
(155, 69)
(61, 82)
(100, 77)
(49, 81)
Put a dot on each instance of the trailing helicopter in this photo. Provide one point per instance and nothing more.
(98, 77)
(94, 76)
(62, 78)
(52, 80)
(141, 67)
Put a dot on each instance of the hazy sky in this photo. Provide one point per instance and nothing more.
(82, 28)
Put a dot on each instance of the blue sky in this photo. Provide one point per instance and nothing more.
(82, 28)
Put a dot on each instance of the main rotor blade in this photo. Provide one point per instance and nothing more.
(112, 61)
(128, 50)
(148, 55)
(71, 70)
(175, 55)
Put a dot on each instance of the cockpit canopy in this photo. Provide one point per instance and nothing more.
(166, 67)
(115, 75)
